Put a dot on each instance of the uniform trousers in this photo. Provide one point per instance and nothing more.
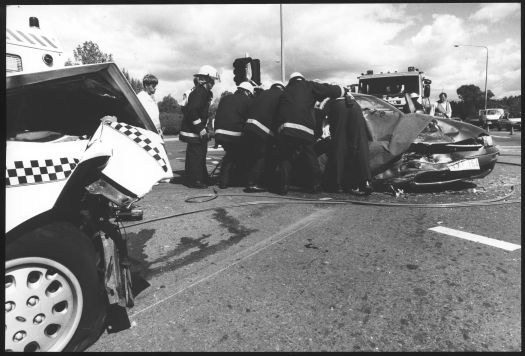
(293, 150)
(233, 157)
(195, 165)
(256, 152)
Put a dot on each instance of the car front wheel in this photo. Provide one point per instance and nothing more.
(53, 298)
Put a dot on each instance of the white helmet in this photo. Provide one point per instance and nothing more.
(278, 83)
(295, 75)
(414, 95)
(209, 71)
(246, 86)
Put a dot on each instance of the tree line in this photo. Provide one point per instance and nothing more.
(472, 99)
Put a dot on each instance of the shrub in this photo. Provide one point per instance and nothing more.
(170, 122)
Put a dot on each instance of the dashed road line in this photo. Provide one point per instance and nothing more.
(476, 238)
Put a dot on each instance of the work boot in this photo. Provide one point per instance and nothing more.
(283, 190)
(197, 184)
(314, 189)
(254, 188)
(363, 190)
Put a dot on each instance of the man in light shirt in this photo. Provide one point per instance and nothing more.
(147, 99)
(441, 108)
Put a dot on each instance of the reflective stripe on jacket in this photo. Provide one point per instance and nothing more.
(195, 114)
(263, 113)
(296, 108)
(231, 116)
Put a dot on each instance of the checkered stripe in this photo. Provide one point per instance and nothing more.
(145, 143)
(38, 171)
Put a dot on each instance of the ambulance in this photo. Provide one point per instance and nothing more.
(29, 49)
(80, 151)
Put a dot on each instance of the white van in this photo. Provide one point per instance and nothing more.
(490, 117)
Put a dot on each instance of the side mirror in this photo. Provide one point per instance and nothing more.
(426, 91)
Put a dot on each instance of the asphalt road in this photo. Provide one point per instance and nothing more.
(314, 277)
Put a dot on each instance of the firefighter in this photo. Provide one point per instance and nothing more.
(348, 167)
(229, 125)
(296, 121)
(259, 133)
(193, 130)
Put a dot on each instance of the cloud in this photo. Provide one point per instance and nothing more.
(496, 12)
(331, 42)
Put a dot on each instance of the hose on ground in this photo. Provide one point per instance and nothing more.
(294, 200)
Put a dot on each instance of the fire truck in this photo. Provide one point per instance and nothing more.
(395, 87)
(29, 49)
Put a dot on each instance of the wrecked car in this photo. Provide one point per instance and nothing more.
(419, 150)
(80, 150)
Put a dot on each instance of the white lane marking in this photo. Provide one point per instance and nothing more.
(500, 136)
(476, 238)
(508, 147)
(302, 225)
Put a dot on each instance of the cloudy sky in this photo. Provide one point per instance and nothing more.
(331, 42)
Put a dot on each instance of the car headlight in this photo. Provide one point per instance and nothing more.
(113, 194)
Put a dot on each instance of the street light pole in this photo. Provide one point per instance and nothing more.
(282, 47)
(486, 66)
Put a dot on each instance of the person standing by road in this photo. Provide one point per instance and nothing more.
(193, 129)
(259, 131)
(147, 98)
(229, 126)
(296, 127)
(441, 108)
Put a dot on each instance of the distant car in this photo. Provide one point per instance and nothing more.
(505, 123)
(421, 150)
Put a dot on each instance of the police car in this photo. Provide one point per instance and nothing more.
(80, 150)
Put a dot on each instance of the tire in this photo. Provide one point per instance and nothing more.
(54, 300)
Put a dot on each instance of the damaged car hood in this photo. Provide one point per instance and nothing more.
(72, 100)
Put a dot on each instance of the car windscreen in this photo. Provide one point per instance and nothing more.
(373, 103)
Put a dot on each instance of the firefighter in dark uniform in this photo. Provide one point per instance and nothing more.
(296, 121)
(193, 130)
(348, 166)
(229, 126)
(259, 132)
